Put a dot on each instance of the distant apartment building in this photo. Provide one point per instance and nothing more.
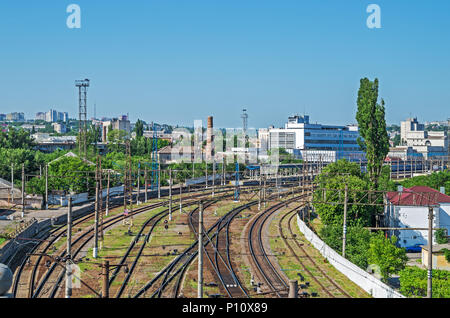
(316, 142)
(40, 116)
(54, 116)
(15, 117)
(121, 123)
(2, 117)
(428, 143)
(59, 128)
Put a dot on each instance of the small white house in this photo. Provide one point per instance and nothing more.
(409, 208)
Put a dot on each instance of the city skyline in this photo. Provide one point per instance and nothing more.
(203, 58)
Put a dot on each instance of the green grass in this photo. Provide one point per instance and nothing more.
(2, 240)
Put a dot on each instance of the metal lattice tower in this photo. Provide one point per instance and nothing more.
(82, 123)
(154, 158)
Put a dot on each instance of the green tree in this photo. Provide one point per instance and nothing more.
(357, 243)
(413, 282)
(116, 140)
(386, 255)
(139, 128)
(16, 138)
(333, 178)
(440, 236)
(396, 140)
(372, 128)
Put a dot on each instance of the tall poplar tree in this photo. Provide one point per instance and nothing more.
(372, 128)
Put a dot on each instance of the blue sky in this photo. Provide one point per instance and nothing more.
(174, 61)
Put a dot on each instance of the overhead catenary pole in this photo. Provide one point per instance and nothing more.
(105, 274)
(170, 194)
(12, 183)
(69, 249)
(100, 199)
(159, 178)
(223, 171)
(138, 184)
(146, 185)
(293, 289)
(23, 191)
(214, 177)
(46, 186)
(200, 251)
(344, 231)
(181, 199)
(206, 175)
(95, 249)
(107, 194)
(430, 253)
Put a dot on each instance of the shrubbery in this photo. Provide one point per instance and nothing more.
(413, 283)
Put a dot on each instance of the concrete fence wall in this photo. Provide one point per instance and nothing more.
(9, 250)
(363, 279)
(14, 245)
(63, 200)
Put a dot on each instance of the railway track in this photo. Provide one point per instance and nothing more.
(178, 267)
(57, 234)
(275, 283)
(336, 289)
(138, 250)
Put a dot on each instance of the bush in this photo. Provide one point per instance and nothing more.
(357, 245)
(413, 283)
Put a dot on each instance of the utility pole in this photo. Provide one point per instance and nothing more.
(107, 194)
(95, 250)
(12, 183)
(206, 175)
(124, 194)
(100, 199)
(105, 274)
(200, 251)
(344, 232)
(430, 253)
(23, 191)
(138, 183)
(293, 289)
(181, 187)
(214, 177)
(159, 178)
(170, 194)
(69, 249)
(223, 171)
(146, 185)
(260, 192)
(264, 191)
(46, 186)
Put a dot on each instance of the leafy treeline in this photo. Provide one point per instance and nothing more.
(413, 282)
(434, 180)
(362, 247)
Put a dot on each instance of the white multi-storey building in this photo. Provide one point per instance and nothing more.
(427, 143)
(316, 141)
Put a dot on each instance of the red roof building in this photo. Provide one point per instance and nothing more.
(418, 196)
